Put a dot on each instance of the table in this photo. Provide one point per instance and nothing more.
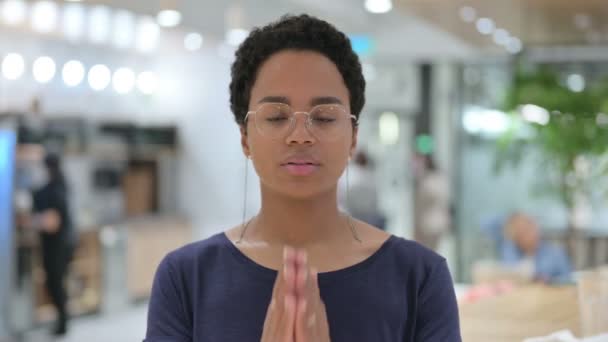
(528, 311)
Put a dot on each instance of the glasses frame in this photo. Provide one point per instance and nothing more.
(292, 117)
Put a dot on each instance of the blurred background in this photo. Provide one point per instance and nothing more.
(485, 133)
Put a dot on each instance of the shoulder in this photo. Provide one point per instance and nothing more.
(415, 257)
(197, 255)
(405, 254)
(550, 250)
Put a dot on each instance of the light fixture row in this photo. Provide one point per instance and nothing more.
(99, 77)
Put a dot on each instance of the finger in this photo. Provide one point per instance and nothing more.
(302, 272)
(271, 321)
(307, 315)
(289, 269)
(314, 283)
(287, 321)
(276, 308)
(302, 328)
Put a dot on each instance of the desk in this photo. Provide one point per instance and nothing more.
(529, 311)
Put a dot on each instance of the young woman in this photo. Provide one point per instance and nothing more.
(300, 270)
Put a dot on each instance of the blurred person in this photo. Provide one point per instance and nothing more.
(51, 217)
(431, 203)
(524, 247)
(300, 270)
(362, 201)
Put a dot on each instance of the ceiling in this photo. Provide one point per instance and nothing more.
(535, 22)
(212, 18)
(416, 29)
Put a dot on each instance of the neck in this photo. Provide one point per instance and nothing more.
(299, 222)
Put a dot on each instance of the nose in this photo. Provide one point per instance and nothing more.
(299, 132)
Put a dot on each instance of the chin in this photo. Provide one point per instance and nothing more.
(302, 190)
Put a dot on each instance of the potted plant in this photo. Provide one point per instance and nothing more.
(568, 128)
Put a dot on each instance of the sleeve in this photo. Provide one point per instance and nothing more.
(437, 315)
(562, 271)
(509, 253)
(168, 320)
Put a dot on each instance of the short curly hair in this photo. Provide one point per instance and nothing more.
(301, 32)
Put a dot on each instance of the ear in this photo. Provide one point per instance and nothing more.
(353, 145)
(244, 142)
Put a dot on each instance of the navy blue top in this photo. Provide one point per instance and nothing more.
(209, 291)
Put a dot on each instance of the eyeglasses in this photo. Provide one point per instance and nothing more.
(326, 122)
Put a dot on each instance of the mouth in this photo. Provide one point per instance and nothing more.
(301, 168)
(301, 163)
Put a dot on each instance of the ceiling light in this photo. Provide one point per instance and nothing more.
(514, 45)
(44, 69)
(99, 24)
(485, 25)
(123, 80)
(123, 29)
(99, 77)
(73, 73)
(13, 11)
(468, 14)
(169, 18)
(13, 66)
(378, 6)
(501, 36)
(193, 41)
(147, 35)
(73, 21)
(44, 16)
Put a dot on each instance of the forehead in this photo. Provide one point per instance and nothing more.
(298, 76)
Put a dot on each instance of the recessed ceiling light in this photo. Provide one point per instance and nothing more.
(468, 14)
(485, 26)
(169, 18)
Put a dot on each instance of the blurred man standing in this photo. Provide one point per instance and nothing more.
(52, 219)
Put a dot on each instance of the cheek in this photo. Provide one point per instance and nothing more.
(338, 155)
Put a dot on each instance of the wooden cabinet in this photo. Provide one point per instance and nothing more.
(148, 241)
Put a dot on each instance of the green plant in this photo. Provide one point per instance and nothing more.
(571, 143)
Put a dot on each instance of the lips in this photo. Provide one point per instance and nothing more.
(301, 166)
(301, 161)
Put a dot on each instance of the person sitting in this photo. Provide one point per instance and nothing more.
(522, 244)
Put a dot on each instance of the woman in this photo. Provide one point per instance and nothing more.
(300, 270)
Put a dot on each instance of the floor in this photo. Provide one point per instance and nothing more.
(126, 326)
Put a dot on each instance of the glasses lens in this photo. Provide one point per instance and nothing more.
(329, 122)
(273, 120)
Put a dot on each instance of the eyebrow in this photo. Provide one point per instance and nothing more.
(314, 102)
(325, 100)
(275, 99)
